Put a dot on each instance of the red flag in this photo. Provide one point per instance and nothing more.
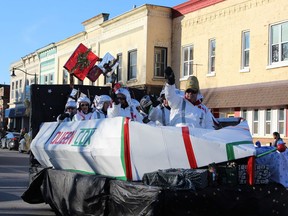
(94, 73)
(81, 62)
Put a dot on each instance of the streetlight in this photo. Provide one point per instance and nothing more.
(25, 99)
(13, 74)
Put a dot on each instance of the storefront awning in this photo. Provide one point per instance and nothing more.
(271, 94)
(15, 112)
(9, 112)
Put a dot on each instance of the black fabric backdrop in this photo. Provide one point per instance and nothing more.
(48, 101)
(71, 193)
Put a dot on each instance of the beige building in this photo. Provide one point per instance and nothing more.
(140, 38)
(238, 54)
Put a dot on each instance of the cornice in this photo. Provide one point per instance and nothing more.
(100, 17)
(192, 5)
(144, 10)
(73, 37)
(222, 13)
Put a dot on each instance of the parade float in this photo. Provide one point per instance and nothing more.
(120, 167)
(125, 149)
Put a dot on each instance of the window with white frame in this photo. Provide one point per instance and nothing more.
(46, 79)
(255, 121)
(65, 76)
(188, 58)
(245, 49)
(13, 90)
(20, 90)
(119, 67)
(32, 80)
(160, 59)
(279, 43)
(211, 60)
(244, 114)
(16, 91)
(268, 122)
(281, 121)
(132, 64)
(51, 78)
(80, 82)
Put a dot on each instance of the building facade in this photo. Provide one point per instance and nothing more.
(25, 73)
(140, 39)
(239, 52)
(4, 100)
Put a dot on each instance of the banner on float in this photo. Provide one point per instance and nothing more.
(126, 149)
(92, 146)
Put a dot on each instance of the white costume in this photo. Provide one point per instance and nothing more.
(130, 111)
(99, 103)
(69, 116)
(80, 116)
(160, 115)
(183, 112)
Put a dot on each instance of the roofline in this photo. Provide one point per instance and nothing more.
(192, 5)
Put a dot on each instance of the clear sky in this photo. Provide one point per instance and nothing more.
(27, 25)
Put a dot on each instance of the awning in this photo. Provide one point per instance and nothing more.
(9, 112)
(271, 94)
(15, 112)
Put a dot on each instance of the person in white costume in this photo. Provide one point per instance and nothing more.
(187, 110)
(70, 110)
(136, 104)
(155, 112)
(122, 106)
(101, 104)
(84, 112)
(146, 106)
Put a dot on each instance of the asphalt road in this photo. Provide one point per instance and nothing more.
(14, 180)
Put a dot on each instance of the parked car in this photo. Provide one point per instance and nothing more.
(10, 141)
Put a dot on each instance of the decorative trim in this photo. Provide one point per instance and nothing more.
(192, 5)
(127, 156)
(189, 148)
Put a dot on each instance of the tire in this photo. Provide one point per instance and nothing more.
(11, 145)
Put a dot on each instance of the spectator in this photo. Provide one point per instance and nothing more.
(2, 132)
(22, 133)
(276, 137)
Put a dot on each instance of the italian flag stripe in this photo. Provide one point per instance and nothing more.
(230, 149)
(122, 150)
(127, 157)
(188, 147)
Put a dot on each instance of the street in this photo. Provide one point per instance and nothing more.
(14, 180)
